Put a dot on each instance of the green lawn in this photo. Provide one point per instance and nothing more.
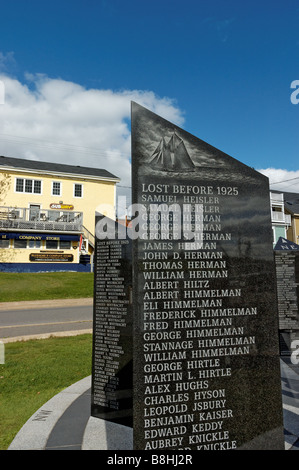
(43, 286)
(35, 371)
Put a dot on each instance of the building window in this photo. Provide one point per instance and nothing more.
(56, 188)
(61, 244)
(65, 245)
(52, 244)
(34, 244)
(37, 187)
(78, 190)
(28, 186)
(20, 243)
(19, 185)
(4, 243)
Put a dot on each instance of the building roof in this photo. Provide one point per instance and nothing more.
(45, 167)
(291, 201)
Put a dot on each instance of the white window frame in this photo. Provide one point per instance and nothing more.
(74, 188)
(41, 186)
(24, 186)
(60, 188)
(16, 180)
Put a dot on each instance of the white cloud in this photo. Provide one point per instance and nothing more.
(7, 61)
(282, 180)
(60, 121)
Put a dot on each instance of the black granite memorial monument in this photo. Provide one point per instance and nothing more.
(204, 339)
(111, 392)
(206, 356)
(287, 275)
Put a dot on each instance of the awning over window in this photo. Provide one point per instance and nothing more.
(38, 236)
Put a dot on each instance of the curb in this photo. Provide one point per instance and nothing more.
(57, 425)
(32, 304)
(35, 432)
(57, 334)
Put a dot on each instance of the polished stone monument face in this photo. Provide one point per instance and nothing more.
(111, 393)
(206, 372)
(287, 275)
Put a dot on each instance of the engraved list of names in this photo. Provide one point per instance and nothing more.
(112, 325)
(203, 288)
(190, 325)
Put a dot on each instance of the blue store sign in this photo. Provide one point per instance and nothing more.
(38, 236)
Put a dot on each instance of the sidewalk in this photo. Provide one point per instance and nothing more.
(64, 422)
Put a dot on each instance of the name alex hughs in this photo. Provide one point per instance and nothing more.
(161, 459)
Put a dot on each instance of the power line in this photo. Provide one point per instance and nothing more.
(41, 143)
(46, 144)
(285, 181)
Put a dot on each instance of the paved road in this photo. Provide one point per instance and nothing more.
(23, 319)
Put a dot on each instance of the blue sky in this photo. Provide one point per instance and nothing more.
(222, 70)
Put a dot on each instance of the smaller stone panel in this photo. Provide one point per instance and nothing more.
(112, 340)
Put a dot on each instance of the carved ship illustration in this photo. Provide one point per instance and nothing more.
(172, 156)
